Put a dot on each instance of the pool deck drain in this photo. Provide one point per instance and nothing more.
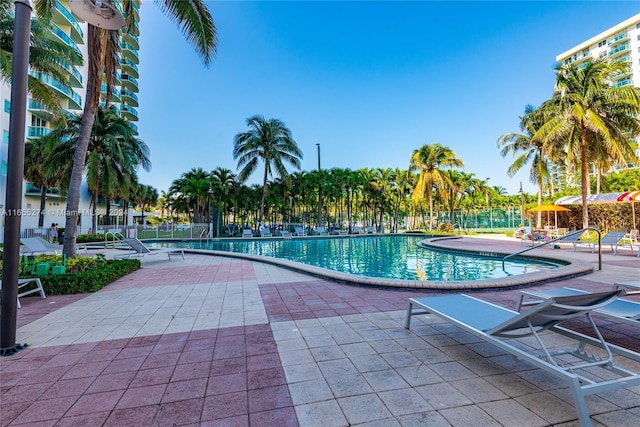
(220, 341)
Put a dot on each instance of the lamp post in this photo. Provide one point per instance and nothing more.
(210, 193)
(521, 192)
(15, 166)
(319, 190)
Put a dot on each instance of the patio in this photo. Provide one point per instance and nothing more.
(220, 341)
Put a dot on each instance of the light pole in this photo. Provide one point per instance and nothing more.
(319, 190)
(15, 166)
(521, 192)
(210, 193)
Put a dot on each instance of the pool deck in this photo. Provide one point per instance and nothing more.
(219, 341)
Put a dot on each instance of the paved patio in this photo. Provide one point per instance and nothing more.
(227, 342)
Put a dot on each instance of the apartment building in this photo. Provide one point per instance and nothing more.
(73, 31)
(620, 43)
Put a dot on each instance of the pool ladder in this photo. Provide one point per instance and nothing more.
(560, 238)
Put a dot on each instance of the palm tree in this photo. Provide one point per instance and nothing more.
(586, 112)
(39, 169)
(113, 154)
(429, 160)
(47, 56)
(194, 19)
(528, 149)
(271, 142)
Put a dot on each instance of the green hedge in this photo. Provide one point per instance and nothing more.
(90, 280)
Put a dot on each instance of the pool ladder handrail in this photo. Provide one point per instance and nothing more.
(571, 233)
(116, 238)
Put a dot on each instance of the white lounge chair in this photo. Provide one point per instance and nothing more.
(356, 230)
(370, 230)
(299, 231)
(620, 310)
(498, 326)
(22, 283)
(246, 232)
(322, 231)
(137, 248)
(38, 244)
(621, 239)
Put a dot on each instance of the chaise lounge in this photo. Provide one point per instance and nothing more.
(501, 327)
(137, 248)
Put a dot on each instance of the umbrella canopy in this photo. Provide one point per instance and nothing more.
(627, 196)
(548, 208)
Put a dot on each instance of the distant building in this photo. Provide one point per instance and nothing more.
(620, 43)
(72, 31)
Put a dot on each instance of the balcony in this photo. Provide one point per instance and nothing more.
(37, 131)
(115, 107)
(582, 57)
(115, 93)
(66, 39)
(32, 190)
(620, 38)
(131, 39)
(620, 50)
(134, 127)
(129, 51)
(625, 82)
(39, 110)
(129, 113)
(75, 102)
(626, 59)
(130, 82)
(63, 17)
(75, 78)
(129, 97)
(129, 67)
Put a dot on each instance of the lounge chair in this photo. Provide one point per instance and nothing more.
(22, 283)
(356, 230)
(265, 232)
(137, 248)
(614, 239)
(498, 325)
(620, 310)
(321, 231)
(299, 231)
(370, 230)
(246, 232)
(629, 241)
(575, 240)
(38, 244)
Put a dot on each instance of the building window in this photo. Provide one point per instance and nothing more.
(7, 106)
(5, 136)
(602, 43)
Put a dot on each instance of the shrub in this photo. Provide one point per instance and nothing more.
(445, 227)
(88, 238)
(88, 280)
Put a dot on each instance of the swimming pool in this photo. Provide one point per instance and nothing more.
(388, 257)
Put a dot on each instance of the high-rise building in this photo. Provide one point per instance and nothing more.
(72, 31)
(620, 43)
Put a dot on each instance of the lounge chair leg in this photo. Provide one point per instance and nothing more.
(581, 405)
(407, 321)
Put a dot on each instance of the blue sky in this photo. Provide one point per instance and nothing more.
(369, 81)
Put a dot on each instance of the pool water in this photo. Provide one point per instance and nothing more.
(390, 257)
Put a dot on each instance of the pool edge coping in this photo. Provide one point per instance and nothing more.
(571, 269)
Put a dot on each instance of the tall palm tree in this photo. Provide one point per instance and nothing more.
(47, 56)
(430, 160)
(529, 149)
(269, 141)
(586, 112)
(194, 19)
(113, 153)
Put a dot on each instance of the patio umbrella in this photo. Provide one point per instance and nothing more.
(626, 197)
(550, 208)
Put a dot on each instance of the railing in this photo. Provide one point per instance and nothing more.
(548, 242)
(116, 239)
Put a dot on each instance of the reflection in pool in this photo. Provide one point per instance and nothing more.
(390, 257)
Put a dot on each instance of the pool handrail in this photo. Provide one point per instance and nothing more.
(597, 230)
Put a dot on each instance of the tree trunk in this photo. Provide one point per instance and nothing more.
(264, 191)
(584, 168)
(43, 200)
